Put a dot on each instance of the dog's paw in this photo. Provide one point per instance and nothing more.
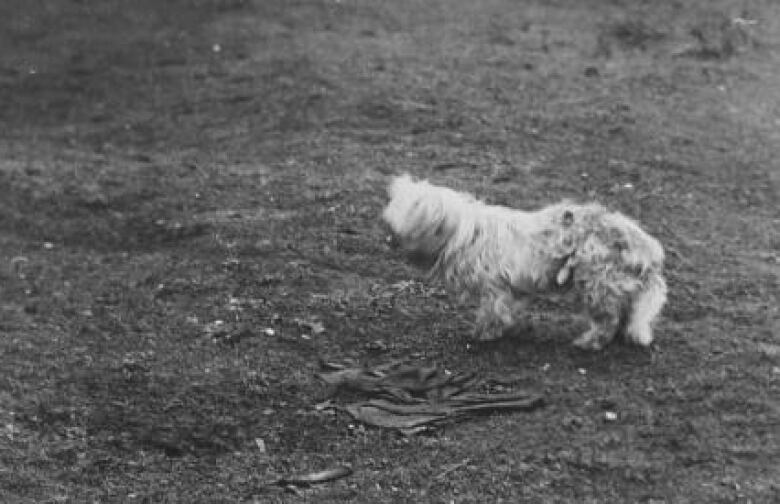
(589, 341)
(486, 336)
(487, 332)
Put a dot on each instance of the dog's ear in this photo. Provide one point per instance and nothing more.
(568, 218)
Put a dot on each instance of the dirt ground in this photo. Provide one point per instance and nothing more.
(167, 165)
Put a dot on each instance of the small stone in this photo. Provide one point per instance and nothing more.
(216, 328)
(315, 326)
(591, 71)
(610, 416)
(376, 345)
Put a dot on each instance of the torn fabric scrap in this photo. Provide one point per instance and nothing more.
(414, 398)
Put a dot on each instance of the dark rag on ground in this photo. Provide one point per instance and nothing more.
(414, 398)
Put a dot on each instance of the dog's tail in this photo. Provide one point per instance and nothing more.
(646, 305)
(424, 217)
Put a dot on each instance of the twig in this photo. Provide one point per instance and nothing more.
(452, 468)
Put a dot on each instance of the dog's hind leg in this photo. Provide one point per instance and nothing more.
(646, 306)
(605, 322)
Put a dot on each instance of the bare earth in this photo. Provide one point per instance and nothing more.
(166, 165)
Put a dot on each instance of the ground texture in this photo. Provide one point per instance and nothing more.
(168, 165)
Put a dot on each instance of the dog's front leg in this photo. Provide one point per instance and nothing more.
(488, 327)
(495, 314)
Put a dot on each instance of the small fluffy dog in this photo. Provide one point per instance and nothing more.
(503, 256)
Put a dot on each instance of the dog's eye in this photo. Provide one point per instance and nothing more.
(568, 218)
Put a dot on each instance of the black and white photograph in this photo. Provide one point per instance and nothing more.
(390, 251)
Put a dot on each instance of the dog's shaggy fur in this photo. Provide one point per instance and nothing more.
(503, 256)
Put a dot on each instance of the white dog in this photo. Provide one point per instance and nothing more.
(503, 256)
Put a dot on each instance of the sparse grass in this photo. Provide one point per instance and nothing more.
(166, 165)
